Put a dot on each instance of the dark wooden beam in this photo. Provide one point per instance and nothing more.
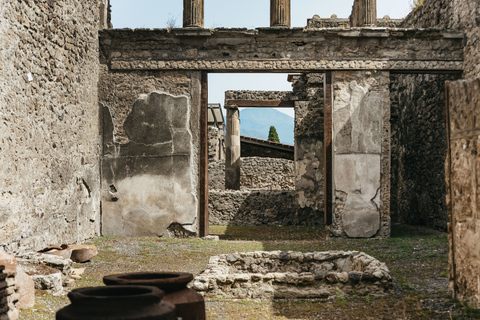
(203, 223)
(328, 149)
(261, 104)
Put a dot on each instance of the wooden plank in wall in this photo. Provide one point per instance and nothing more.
(328, 153)
(204, 216)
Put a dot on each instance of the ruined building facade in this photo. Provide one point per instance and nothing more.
(105, 131)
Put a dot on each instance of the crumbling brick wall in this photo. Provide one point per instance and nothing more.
(49, 191)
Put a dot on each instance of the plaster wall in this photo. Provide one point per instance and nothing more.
(361, 160)
(151, 147)
(49, 133)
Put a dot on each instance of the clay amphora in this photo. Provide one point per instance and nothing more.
(190, 305)
(117, 302)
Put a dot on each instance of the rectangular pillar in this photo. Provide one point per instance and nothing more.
(361, 140)
(232, 149)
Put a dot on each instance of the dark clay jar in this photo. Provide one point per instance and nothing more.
(119, 302)
(190, 305)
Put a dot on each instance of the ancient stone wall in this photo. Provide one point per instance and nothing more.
(255, 173)
(462, 173)
(280, 49)
(419, 148)
(254, 208)
(49, 191)
(308, 89)
(453, 14)
(150, 157)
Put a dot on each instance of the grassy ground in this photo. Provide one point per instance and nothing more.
(417, 258)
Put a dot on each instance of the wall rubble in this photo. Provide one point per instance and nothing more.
(49, 191)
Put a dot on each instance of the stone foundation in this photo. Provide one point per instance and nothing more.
(293, 275)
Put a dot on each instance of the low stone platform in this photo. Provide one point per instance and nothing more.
(293, 275)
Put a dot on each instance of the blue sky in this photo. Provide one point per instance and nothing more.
(240, 13)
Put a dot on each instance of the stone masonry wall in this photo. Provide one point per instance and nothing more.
(254, 208)
(308, 90)
(453, 14)
(49, 191)
(151, 149)
(255, 173)
(419, 148)
(463, 190)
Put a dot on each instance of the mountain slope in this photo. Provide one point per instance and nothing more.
(256, 122)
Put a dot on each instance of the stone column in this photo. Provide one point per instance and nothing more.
(193, 13)
(361, 154)
(232, 146)
(364, 13)
(369, 13)
(280, 13)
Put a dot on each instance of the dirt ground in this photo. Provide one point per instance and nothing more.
(417, 258)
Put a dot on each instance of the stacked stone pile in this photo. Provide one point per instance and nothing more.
(291, 275)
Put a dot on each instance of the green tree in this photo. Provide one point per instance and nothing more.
(272, 135)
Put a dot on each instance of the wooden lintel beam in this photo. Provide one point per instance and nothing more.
(261, 103)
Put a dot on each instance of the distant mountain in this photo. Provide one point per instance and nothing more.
(256, 122)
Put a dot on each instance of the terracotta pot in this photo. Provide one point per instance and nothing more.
(119, 302)
(190, 305)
